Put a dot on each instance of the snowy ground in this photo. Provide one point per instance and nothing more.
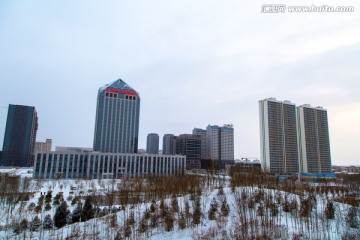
(285, 225)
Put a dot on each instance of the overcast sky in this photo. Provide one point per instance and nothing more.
(193, 62)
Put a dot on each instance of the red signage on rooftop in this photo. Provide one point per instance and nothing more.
(115, 90)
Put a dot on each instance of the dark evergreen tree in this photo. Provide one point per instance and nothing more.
(162, 204)
(286, 204)
(24, 224)
(127, 229)
(197, 212)
(221, 191)
(60, 215)
(48, 197)
(274, 210)
(88, 210)
(35, 224)
(143, 226)
(48, 206)
(58, 199)
(154, 220)
(48, 222)
(118, 236)
(105, 211)
(153, 206)
(225, 208)
(77, 213)
(31, 206)
(351, 218)
(182, 221)
(251, 203)
(330, 210)
(147, 214)
(69, 218)
(305, 207)
(169, 222)
(131, 218)
(174, 204)
(213, 209)
(260, 210)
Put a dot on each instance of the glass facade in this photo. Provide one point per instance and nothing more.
(20, 136)
(152, 143)
(117, 119)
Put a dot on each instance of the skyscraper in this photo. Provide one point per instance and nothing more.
(169, 144)
(117, 118)
(278, 135)
(20, 136)
(220, 142)
(313, 137)
(152, 143)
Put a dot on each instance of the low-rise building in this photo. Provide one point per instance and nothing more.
(97, 165)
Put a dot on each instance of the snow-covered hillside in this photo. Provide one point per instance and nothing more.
(214, 210)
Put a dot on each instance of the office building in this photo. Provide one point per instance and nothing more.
(278, 136)
(117, 118)
(313, 137)
(189, 145)
(20, 136)
(169, 144)
(43, 146)
(96, 165)
(152, 143)
(202, 133)
(220, 142)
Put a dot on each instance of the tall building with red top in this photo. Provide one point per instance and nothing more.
(117, 118)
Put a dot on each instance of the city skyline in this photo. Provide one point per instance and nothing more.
(193, 63)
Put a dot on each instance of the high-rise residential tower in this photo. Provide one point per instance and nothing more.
(20, 136)
(278, 135)
(220, 142)
(117, 118)
(313, 138)
(152, 143)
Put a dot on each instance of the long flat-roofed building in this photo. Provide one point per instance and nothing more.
(96, 165)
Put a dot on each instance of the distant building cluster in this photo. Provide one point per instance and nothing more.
(211, 144)
(115, 150)
(43, 146)
(294, 139)
(346, 169)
